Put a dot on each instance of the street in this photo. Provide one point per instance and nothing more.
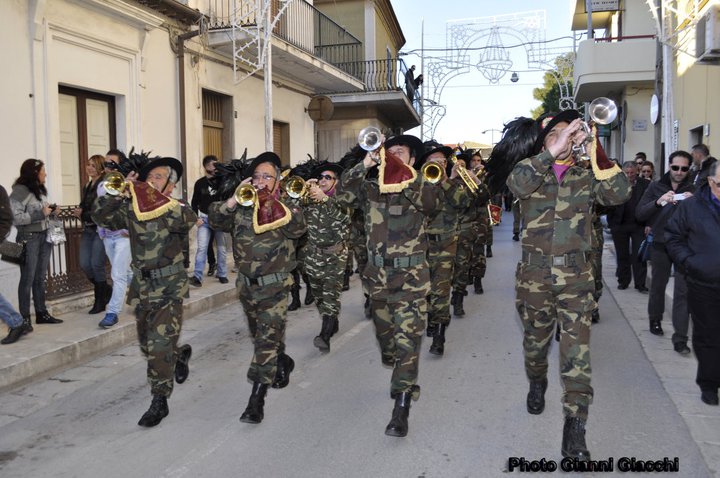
(329, 422)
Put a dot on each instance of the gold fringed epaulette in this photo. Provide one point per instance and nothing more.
(394, 175)
(147, 202)
(602, 167)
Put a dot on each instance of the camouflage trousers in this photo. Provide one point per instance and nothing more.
(359, 248)
(467, 258)
(479, 261)
(596, 264)
(158, 328)
(490, 235)
(326, 271)
(441, 259)
(517, 220)
(398, 308)
(564, 295)
(266, 311)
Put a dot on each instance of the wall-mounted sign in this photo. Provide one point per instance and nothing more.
(639, 125)
(604, 5)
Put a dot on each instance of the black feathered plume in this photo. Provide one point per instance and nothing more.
(304, 170)
(133, 162)
(352, 157)
(228, 176)
(517, 143)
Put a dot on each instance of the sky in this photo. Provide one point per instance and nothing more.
(473, 104)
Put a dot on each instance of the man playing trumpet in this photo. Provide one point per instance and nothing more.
(395, 204)
(264, 232)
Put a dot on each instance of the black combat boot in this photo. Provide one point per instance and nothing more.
(536, 396)
(182, 365)
(573, 443)
(295, 294)
(438, 343)
(431, 329)
(346, 279)
(98, 305)
(398, 426)
(45, 318)
(13, 335)
(27, 324)
(285, 365)
(157, 411)
(458, 310)
(254, 413)
(488, 251)
(322, 341)
(309, 297)
(595, 316)
(477, 283)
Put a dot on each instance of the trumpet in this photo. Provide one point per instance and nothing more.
(464, 175)
(115, 183)
(296, 187)
(432, 172)
(603, 111)
(370, 139)
(246, 195)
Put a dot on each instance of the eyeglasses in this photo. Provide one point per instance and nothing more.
(265, 176)
(684, 169)
(327, 176)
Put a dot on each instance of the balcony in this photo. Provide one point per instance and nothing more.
(608, 65)
(306, 45)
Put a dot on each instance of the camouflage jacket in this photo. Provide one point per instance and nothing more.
(476, 209)
(457, 199)
(558, 216)
(327, 223)
(395, 222)
(155, 244)
(258, 254)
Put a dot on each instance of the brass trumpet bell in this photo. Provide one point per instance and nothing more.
(432, 172)
(370, 138)
(246, 195)
(115, 183)
(296, 187)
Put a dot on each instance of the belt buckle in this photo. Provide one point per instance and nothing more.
(559, 260)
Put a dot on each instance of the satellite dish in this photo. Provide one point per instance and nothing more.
(654, 109)
(321, 108)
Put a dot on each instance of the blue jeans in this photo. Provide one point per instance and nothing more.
(92, 255)
(8, 314)
(117, 249)
(33, 272)
(203, 238)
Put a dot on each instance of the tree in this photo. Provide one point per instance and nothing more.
(551, 93)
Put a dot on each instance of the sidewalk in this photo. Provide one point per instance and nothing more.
(676, 372)
(79, 339)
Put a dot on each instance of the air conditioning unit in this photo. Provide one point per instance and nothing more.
(707, 36)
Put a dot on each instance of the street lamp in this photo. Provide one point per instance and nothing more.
(492, 134)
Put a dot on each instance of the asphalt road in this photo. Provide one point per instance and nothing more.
(330, 421)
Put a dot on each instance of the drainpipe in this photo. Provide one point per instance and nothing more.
(180, 44)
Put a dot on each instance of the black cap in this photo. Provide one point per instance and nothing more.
(266, 157)
(549, 121)
(158, 162)
(412, 142)
(327, 166)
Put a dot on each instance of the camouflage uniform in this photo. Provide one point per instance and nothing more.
(596, 251)
(159, 282)
(397, 275)
(469, 230)
(326, 252)
(264, 263)
(442, 236)
(478, 264)
(554, 278)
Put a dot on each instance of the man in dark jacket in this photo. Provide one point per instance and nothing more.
(656, 207)
(693, 239)
(701, 164)
(628, 233)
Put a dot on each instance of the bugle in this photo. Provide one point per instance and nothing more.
(246, 195)
(296, 187)
(370, 139)
(464, 175)
(432, 172)
(114, 183)
(602, 111)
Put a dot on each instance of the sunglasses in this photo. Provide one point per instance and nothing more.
(327, 176)
(684, 169)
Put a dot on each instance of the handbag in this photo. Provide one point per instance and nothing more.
(13, 252)
(56, 232)
(644, 249)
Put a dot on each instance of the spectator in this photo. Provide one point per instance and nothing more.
(693, 240)
(31, 209)
(628, 233)
(418, 81)
(203, 195)
(92, 256)
(410, 83)
(647, 170)
(656, 207)
(701, 164)
(640, 158)
(117, 248)
(7, 313)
